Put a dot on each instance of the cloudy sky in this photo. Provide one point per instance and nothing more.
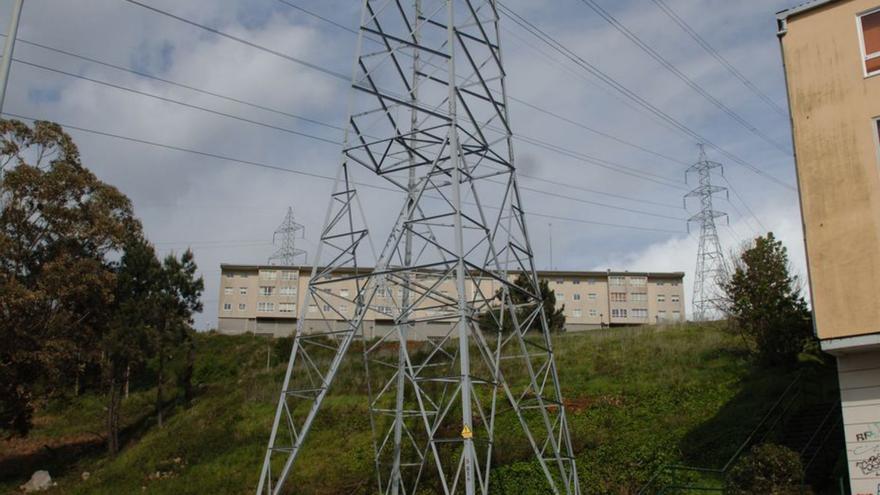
(226, 210)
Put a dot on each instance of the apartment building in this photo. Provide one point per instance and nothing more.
(831, 51)
(266, 299)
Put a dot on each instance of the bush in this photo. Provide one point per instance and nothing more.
(768, 469)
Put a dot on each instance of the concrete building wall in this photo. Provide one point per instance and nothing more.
(835, 104)
(834, 107)
(247, 290)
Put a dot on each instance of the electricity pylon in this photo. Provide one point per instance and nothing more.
(710, 269)
(287, 232)
(429, 122)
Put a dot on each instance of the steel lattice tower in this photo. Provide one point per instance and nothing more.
(429, 119)
(287, 232)
(710, 258)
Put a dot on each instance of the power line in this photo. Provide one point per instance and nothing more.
(226, 35)
(596, 131)
(178, 84)
(594, 191)
(325, 19)
(720, 58)
(746, 205)
(310, 174)
(533, 141)
(599, 162)
(620, 27)
(617, 167)
(177, 102)
(617, 86)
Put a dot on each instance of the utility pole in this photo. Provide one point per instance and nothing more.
(428, 118)
(9, 48)
(550, 230)
(287, 233)
(711, 269)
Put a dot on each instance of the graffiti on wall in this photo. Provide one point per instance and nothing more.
(871, 465)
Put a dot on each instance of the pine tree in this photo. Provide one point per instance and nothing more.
(765, 303)
(490, 320)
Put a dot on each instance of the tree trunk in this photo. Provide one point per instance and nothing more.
(127, 379)
(188, 372)
(159, 380)
(113, 414)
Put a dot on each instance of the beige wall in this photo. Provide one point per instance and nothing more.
(833, 109)
(565, 284)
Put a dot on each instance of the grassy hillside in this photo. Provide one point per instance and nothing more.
(638, 397)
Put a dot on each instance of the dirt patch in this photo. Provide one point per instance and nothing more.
(21, 456)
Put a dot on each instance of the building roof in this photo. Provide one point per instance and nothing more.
(814, 4)
(541, 273)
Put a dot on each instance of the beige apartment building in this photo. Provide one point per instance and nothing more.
(266, 299)
(831, 51)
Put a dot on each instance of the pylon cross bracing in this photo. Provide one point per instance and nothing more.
(428, 117)
(287, 253)
(711, 269)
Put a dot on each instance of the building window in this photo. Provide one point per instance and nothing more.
(313, 308)
(618, 313)
(869, 25)
(230, 274)
(576, 282)
(639, 281)
(268, 274)
(288, 291)
(327, 308)
(675, 298)
(265, 307)
(594, 312)
(560, 281)
(676, 315)
(287, 275)
(242, 291)
(286, 307)
(639, 297)
(242, 306)
(661, 315)
(577, 313)
(227, 306)
(560, 296)
(661, 283)
(616, 280)
(618, 297)
(576, 297)
(343, 292)
(640, 313)
(592, 281)
(266, 290)
(661, 297)
(227, 291)
(592, 296)
(343, 308)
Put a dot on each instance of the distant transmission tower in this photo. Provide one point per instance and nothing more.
(429, 119)
(286, 234)
(710, 257)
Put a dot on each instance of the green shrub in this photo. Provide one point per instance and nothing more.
(767, 469)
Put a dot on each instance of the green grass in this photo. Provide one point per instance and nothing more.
(640, 397)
